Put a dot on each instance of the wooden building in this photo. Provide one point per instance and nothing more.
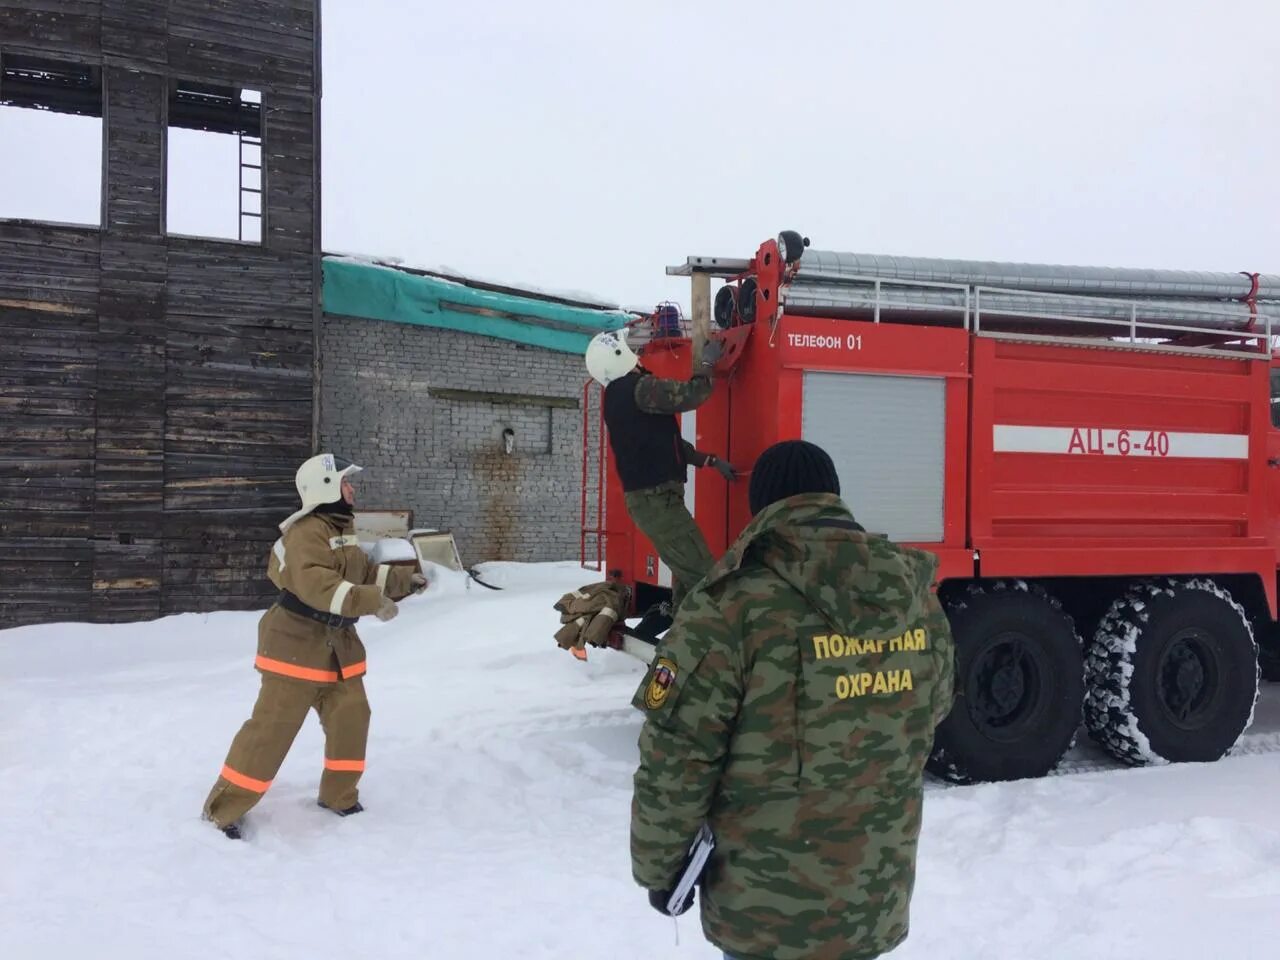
(156, 390)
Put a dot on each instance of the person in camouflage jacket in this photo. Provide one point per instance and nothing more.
(791, 707)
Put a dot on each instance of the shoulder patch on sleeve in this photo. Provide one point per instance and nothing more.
(661, 678)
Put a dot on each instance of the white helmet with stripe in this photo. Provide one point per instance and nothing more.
(609, 358)
(319, 481)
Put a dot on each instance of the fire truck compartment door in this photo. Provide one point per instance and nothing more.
(886, 436)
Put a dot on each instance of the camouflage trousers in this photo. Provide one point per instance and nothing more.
(661, 515)
(260, 747)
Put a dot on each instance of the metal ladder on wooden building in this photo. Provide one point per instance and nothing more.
(248, 140)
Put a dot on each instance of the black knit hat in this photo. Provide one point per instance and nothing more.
(790, 468)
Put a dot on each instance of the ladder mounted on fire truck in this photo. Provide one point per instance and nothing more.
(1166, 310)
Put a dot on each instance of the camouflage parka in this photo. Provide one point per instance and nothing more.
(792, 706)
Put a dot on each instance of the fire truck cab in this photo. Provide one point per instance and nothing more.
(1092, 454)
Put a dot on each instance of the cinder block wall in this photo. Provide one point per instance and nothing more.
(416, 407)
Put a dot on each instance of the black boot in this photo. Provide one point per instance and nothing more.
(655, 621)
(232, 831)
(354, 808)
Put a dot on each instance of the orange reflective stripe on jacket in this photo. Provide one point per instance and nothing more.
(240, 780)
(346, 766)
(355, 670)
(298, 673)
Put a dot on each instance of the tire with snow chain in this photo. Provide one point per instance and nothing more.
(1269, 664)
(1019, 686)
(1172, 674)
(1267, 635)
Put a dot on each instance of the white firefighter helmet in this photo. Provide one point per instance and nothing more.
(319, 480)
(609, 358)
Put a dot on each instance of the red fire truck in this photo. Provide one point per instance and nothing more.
(1091, 454)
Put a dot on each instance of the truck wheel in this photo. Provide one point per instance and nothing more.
(1172, 674)
(747, 300)
(1269, 664)
(725, 310)
(1267, 635)
(1019, 686)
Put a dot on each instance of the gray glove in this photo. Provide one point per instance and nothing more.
(724, 468)
(711, 351)
(387, 611)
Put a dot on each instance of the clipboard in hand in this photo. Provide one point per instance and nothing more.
(695, 863)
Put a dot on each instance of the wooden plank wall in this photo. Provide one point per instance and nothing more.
(157, 391)
(238, 418)
(129, 462)
(48, 386)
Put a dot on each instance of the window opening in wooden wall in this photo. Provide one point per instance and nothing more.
(50, 140)
(215, 184)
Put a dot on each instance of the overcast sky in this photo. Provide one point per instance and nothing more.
(588, 145)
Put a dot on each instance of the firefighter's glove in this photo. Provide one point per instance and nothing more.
(723, 467)
(387, 610)
(711, 351)
(658, 900)
(417, 583)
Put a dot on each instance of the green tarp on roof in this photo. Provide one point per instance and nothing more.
(359, 289)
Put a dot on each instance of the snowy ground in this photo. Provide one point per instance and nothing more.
(497, 792)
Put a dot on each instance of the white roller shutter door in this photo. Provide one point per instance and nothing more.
(887, 438)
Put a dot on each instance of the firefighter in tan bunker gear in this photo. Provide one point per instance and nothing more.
(309, 654)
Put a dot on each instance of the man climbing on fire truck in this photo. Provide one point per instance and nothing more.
(652, 459)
